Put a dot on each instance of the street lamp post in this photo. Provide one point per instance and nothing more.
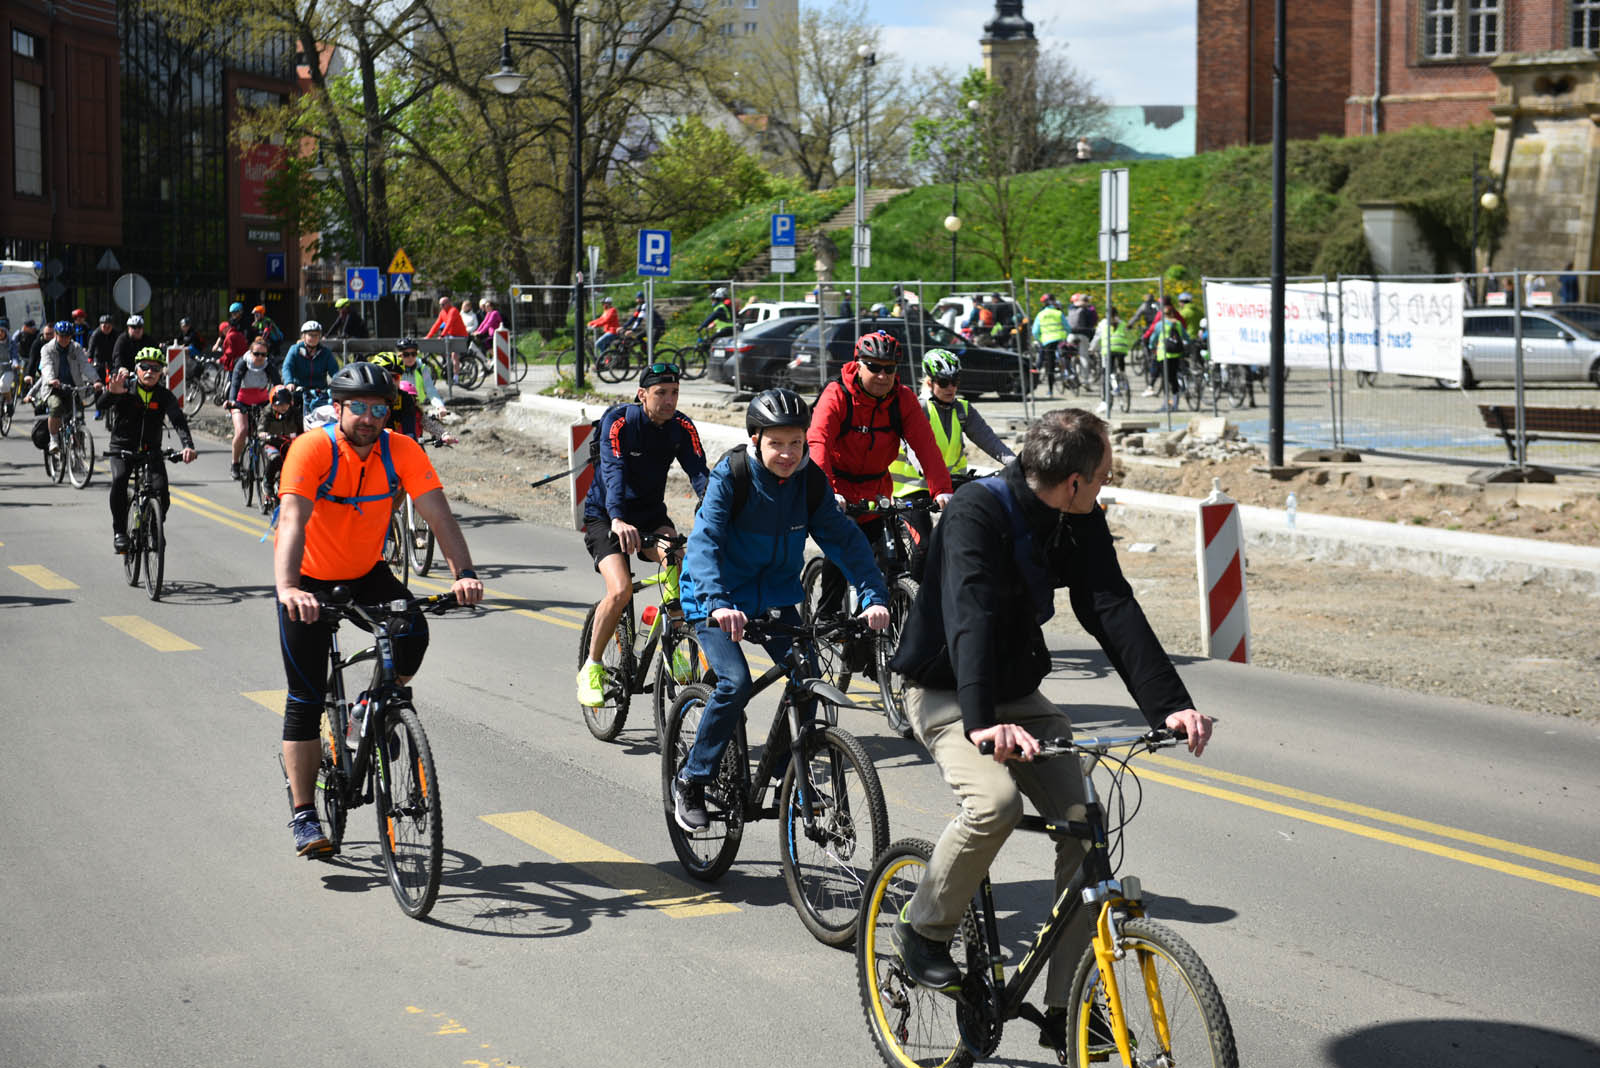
(507, 80)
(869, 59)
(952, 222)
(1490, 200)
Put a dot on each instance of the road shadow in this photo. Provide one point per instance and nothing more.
(1162, 907)
(207, 593)
(1461, 1043)
(512, 604)
(889, 750)
(32, 602)
(488, 572)
(494, 519)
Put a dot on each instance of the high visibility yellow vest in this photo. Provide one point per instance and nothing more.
(1052, 325)
(907, 479)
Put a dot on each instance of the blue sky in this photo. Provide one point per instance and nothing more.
(1134, 51)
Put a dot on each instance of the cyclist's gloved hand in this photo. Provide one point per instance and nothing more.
(876, 617)
(943, 499)
(1195, 725)
(732, 622)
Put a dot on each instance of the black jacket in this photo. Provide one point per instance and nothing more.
(101, 348)
(972, 628)
(124, 352)
(136, 424)
(347, 326)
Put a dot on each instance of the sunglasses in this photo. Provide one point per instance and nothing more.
(952, 380)
(880, 368)
(666, 369)
(147, 366)
(359, 408)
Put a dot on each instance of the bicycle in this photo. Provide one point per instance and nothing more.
(669, 660)
(1121, 392)
(832, 819)
(410, 539)
(894, 560)
(253, 461)
(691, 359)
(10, 397)
(147, 536)
(385, 757)
(73, 455)
(1140, 992)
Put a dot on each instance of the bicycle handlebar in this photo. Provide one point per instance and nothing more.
(767, 627)
(1160, 738)
(891, 506)
(125, 454)
(337, 602)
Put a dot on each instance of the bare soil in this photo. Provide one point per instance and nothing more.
(1528, 648)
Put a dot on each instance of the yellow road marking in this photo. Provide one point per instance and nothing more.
(226, 521)
(1443, 831)
(43, 577)
(1377, 834)
(612, 867)
(241, 521)
(158, 638)
(271, 700)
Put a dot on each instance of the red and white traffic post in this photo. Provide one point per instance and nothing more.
(1219, 560)
(177, 369)
(581, 472)
(502, 357)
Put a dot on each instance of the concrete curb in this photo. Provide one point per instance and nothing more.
(1379, 546)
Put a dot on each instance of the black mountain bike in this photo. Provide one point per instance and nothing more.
(1140, 996)
(832, 820)
(384, 758)
(253, 461)
(147, 536)
(840, 661)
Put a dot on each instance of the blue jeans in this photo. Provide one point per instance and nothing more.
(602, 343)
(726, 703)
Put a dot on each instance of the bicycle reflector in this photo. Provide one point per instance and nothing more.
(648, 616)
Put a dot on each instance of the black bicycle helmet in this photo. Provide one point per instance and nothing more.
(776, 407)
(406, 343)
(879, 345)
(361, 380)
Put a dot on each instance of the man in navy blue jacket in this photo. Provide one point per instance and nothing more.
(744, 565)
(628, 500)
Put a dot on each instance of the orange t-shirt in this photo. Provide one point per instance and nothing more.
(341, 542)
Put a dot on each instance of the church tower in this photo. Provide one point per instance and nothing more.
(1009, 46)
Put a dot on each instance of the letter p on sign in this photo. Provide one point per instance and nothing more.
(655, 253)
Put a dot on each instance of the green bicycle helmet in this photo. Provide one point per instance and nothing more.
(941, 363)
(150, 354)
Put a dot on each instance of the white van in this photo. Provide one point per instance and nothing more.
(20, 299)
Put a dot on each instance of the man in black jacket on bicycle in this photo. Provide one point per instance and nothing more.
(136, 409)
(973, 654)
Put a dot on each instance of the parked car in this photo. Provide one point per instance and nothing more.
(983, 370)
(1554, 348)
(953, 310)
(1585, 315)
(763, 310)
(762, 352)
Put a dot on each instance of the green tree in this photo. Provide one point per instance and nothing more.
(701, 173)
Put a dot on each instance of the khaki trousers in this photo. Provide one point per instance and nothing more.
(991, 806)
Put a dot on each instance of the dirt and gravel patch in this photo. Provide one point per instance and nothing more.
(1530, 648)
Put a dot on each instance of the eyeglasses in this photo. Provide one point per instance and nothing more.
(880, 368)
(148, 366)
(947, 382)
(666, 369)
(359, 408)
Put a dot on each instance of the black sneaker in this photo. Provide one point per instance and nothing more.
(119, 543)
(233, 470)
(309, 841)
(927, 962)
(689, 805)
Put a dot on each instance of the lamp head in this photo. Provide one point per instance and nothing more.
(1490, 201)
(506, 80)
(952, 223)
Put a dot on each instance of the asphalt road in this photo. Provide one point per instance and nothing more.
(1374, 878)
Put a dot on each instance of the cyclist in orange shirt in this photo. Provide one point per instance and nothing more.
(334, 492)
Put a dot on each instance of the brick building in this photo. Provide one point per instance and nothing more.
(1364, 66)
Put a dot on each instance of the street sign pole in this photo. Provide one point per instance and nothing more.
(649, 319)
(1113, 247)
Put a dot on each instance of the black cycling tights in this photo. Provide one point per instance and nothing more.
(121, 472)
(305, 648)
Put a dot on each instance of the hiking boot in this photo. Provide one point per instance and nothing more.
(119, 543)
(592, 685)
(689, 805)
(309, 841)
(927, 962)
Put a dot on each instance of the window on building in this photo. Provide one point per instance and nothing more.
(1586, 23)
(751, 4)
(749, 29)
(26, 44)
(27, 139)
(726, 29)
(1462, 29)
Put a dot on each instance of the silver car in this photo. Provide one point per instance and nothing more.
(1554, 348)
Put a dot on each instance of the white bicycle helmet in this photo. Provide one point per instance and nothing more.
(941, 363)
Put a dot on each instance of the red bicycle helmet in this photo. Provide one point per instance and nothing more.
(880, 346)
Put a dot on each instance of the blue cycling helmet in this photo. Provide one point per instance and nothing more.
(235, 308)
(63, 326)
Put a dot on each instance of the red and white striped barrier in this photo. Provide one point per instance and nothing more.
(1219, 559)
(502, 357)
(582, 471)
(177, 369)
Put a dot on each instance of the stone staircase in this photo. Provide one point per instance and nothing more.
(759, 267)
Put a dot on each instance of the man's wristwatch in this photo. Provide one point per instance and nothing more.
(466, 572)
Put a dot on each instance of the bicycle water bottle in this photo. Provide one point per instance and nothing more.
(355, 719)
(1289, 508)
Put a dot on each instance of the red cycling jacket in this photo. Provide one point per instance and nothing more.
(857, 458)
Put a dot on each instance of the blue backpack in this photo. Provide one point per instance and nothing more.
(325, 491)
(1033, 572)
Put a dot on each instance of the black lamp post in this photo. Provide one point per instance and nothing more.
(869, 59)
(507, 81)
(1490, 200)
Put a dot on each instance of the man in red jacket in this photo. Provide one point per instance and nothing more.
(856, 430)
(449, 324)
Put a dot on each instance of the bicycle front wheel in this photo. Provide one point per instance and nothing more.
(194, 394)
(154, 540)
(826, 861)
(693, 360)
(410, 819)
(1170, 1004)
(832, 663)
(80, 456)
(394, 547)
(680, 662)
(135, 554)
(8, 409)
(613, 366)
(707, 853)
(1124, 392)
(911, 1025)
(605, 720)
(331, 780)
(249, 472)
(892, 685)
(473, 370)
(420, 544)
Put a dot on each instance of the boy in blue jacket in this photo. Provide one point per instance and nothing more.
(744, 565)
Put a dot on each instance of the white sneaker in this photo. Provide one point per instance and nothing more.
(1148, 393)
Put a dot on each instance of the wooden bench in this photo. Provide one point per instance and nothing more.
(1543, 424)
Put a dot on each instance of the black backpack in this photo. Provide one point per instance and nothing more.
(738, 459)
(594, 436)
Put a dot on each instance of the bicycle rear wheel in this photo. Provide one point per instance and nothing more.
(613, 366)
(1173, 1011)
(8, 410)
(669, 681)
(55, 460)
(826, 865)
(707, 853)
(891, 685)
(154, 540)
(693, 360)
(1194, 387)
(1235, 384)
(605, 721)
(910, 1024)
(410, 818)
(394, 547)
(420, 544)
(473, 370)
(1124, 392)
(194, 393)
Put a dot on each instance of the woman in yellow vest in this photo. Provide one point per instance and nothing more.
(954, 419)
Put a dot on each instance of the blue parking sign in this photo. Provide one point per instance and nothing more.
(655, 253)
(277, 266)
(783, 230)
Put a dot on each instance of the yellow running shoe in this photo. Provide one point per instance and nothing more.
(592, 685)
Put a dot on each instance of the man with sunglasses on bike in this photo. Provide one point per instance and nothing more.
(334, 503)
(63, 365)
(973, 654)
(136, 404)
(627, 500)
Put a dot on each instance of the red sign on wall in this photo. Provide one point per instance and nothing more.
(256, 168)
